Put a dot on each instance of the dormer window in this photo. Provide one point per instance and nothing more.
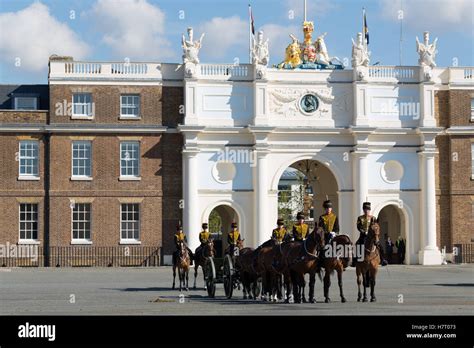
(25, 103)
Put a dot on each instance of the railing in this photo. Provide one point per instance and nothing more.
(89, 256)
(225, 71)
(463, 253)
(88, 70)
(402, 74)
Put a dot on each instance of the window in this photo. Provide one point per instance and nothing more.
(129, 159)
(82, 105)
(81, 159)
(25, 103)
(130, 222)
(28, 222)
(472, 109)
(130, 106)
(28, 159)
(81, 221)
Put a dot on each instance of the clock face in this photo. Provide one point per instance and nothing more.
(309, 103)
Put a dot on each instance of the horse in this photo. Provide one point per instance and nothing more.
(334, 261)
(366, 270)
(245, 264)
(231, 248)
(200, 256)
(272, 279)
(298, 259)
(182, 262)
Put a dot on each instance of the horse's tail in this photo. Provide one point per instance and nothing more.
(320, 276)
(367, 279)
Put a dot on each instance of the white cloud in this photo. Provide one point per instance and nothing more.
(224, 35)
(433, 15)
(278, 39)
(133, 29)
(32, 35)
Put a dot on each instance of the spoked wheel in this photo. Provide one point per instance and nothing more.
(257, 288)
(228, 276)
(210, 277)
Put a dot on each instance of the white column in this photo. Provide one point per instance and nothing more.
(191, 223)
(361, 190)
(261, 214)
(429, 254)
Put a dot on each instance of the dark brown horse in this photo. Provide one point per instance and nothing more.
(200, 256)
(234, 250)
(245, 264)
(300, 258)
(182, 261)
(336, 258)
(272, 279)
(366, 269)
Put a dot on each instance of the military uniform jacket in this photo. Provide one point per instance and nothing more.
(233, 237)
(329, 222)
(363, 223)
(179, 237)
(279, 234)
(300, 231)
(204, 236)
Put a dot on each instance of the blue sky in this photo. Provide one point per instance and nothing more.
(150, 30)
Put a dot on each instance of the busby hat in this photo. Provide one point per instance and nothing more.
(233, 224)
(366, 205)
(280, 222)
(300, 216)
(205, 225)
(327, 204)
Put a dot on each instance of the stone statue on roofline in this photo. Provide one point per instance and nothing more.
(427, 53)
(260, 55)
(360, 57)
(191, 52)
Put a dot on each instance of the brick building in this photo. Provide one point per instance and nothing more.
(91, 167)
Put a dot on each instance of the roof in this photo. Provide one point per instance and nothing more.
(8, 91)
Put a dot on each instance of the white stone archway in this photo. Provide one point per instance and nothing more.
(406, 224)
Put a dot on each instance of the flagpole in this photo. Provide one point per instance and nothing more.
(363, 26)
(250, 35)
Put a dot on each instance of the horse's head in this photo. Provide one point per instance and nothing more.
(240, 244)
(374, 232)
(318, 235)
(210, 245)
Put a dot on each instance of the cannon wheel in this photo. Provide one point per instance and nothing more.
(210, 277)
(228, 276)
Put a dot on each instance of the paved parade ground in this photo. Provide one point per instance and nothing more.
(410, 290)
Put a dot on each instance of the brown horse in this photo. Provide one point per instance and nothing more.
(182, 261)
(300, 258)
(272, 279)
(245, 264)
(336, 258)
(232, 250)
(366, 269)
(200, 256)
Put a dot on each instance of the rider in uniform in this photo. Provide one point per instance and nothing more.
(300, 229)
(180, 237)
(204, 235)
(280, 233)
(363, 223)
(328, 222)
(233, 237)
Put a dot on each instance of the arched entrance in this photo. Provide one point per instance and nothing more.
(220, 219)
(304, 186)
(392, 224)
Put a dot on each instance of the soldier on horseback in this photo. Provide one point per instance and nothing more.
(180, 237)
(233, 237)
(280, 233)
(363, 223)
(328, 222)
(300, 229)
(204, 235)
